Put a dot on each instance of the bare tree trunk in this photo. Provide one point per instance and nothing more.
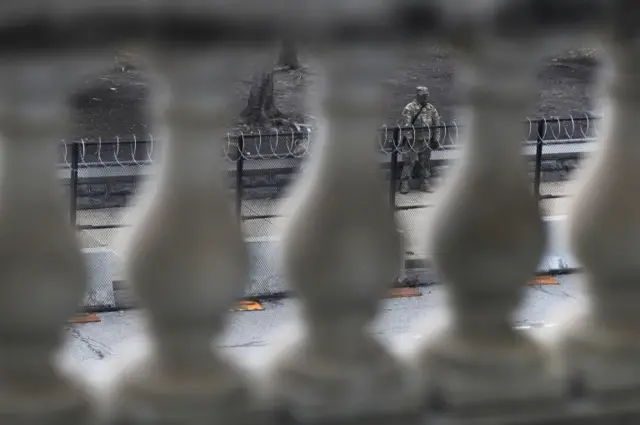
(261, 107)
(289, 55)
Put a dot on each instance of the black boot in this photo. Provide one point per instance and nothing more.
(426, 186)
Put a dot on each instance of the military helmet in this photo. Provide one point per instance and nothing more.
(422, 90)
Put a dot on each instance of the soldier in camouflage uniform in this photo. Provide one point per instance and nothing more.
(417, 154)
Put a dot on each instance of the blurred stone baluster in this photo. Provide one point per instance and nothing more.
(341, 253)
(604, 227)
(187, 261)
(42, 275)
(487, 235)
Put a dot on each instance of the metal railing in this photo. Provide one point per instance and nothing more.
(554, 139)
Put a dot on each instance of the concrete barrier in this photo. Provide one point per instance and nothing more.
(100, 267)
(558, 257)
(265, 277)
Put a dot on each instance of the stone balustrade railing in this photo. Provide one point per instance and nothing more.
(341, 248)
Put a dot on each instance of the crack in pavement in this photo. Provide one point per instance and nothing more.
(91, 344)
(245, 344)
(558, 294)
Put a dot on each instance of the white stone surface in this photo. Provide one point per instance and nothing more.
(100, 267)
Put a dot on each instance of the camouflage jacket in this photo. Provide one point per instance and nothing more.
(428, 117)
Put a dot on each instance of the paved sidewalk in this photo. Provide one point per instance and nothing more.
(251, 337)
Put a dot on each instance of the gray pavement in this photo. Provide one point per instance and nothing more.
(250, 334)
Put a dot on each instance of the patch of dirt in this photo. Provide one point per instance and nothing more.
(113, 104)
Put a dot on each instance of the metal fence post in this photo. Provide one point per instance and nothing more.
(542, 128)
(393, 169)
(73, 183)
(239, 175)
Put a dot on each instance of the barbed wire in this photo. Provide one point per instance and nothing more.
(291, 144)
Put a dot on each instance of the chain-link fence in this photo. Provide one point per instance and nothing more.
(562, 143)
(103, 177)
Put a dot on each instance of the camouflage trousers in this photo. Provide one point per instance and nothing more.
(419, 162)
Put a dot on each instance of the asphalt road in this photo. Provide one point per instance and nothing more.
(250, 334)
